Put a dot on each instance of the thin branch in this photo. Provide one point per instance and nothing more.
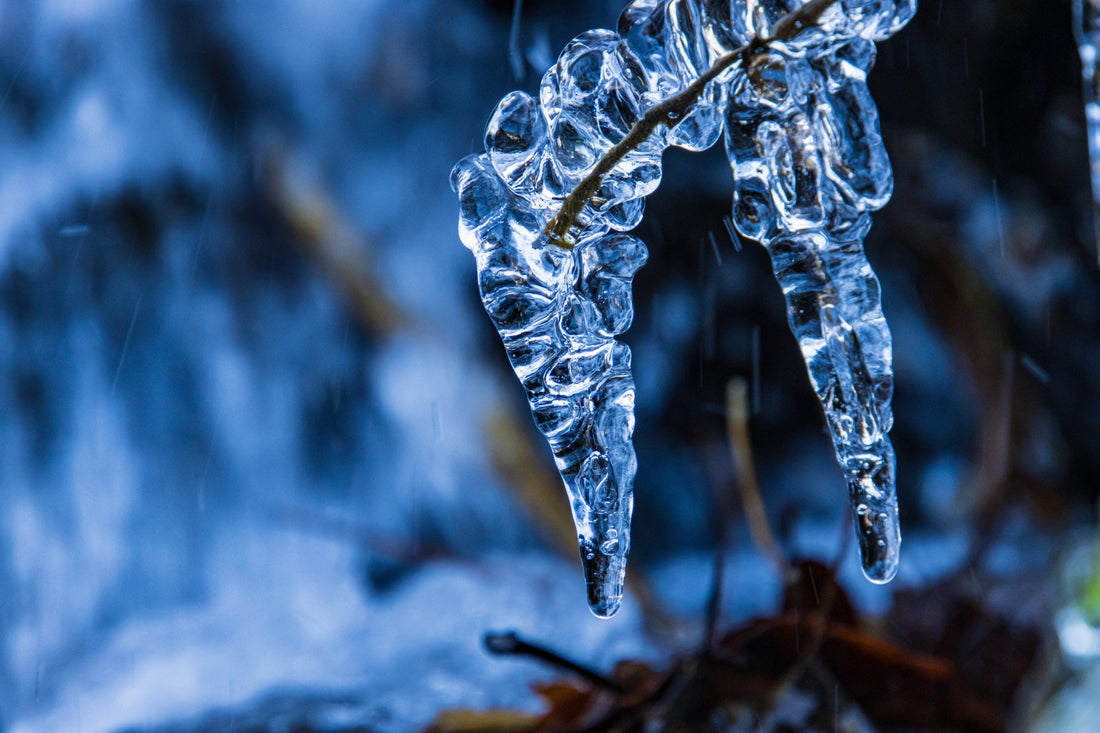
(328, 237)
(737, 427)
(714, 603)
(509, 643)
(670, 112)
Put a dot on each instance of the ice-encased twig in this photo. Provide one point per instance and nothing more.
(558, 312)
(558, 308)
(1086, 28)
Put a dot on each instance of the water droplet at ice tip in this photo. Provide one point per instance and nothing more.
(879, 557)
(881, 573)
(879, 543)
(604, 576)
(605, 607)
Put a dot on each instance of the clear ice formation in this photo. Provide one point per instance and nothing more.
(808, 162)
(1086, 28)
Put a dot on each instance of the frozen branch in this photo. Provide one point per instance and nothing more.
(671, 111)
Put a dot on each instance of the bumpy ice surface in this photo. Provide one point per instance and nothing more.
(802, 137)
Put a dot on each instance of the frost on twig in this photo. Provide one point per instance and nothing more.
(544, 208)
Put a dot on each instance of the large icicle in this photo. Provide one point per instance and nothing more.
(803, 139)
(1086, 28)
(558, 310)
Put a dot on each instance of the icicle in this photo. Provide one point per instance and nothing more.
(1086, 28)
(802, 137)
(558, 310)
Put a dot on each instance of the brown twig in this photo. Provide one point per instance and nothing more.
(509, 643)
(328, 237)
(670, 112)
(737, 425)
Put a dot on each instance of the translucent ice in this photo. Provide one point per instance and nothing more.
(558, 311)
(808, 162)
(802, 137)
(1086, 27)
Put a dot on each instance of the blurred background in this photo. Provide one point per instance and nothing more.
(264, 465)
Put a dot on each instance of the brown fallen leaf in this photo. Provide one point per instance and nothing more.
(766, 669)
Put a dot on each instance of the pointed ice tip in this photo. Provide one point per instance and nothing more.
(603, 577)
(875, 512)
(605, 607)
(881, 572)
(879, 544)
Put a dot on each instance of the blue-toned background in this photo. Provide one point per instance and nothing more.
(262, 458)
